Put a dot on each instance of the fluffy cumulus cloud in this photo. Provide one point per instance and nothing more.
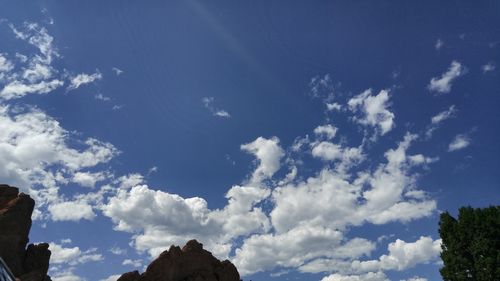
(79, 211)
(72, 255)
(271, 220)
(460, 141)
(164, 219)
(33, 143)
(306, 221)
(443, 84)
(403, 255)
(373, 110)
(269, 153)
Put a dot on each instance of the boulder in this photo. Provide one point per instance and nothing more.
(29, 264)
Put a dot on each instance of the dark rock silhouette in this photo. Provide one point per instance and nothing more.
(29, 264)
(191, 263)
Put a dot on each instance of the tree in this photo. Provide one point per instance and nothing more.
(471, 244)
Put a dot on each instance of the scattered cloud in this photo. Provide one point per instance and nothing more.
(102, 97)
(373, 109)
(415, 278)
(35, 75)
(134, 263)
(442, 116)
(83, 79)
(459, 142)
(111, 278)
(269, 153)
(208, 102)
(370, 276)
(40, 156)
(439, 44)
(80, 210)
(328, 131)
(117, 71)
(72, 255)
(490, 66)
(117, 251)
(323, 88)
(88, 179)
(117, 107)
(443, 84)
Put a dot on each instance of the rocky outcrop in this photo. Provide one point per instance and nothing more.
(27, 264)
(191, 263)
(31, 263)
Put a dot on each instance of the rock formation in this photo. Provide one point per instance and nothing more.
(191, 263)
(29, 264)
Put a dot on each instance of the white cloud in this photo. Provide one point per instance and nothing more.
(88, 179)
(167, 219)
(444, 115)
(102, 97)
(443, 83)
(490, 66)
(459, 142)
(439, 44)
(17, 89)
(117, 71)
(290, 249)
(118, 251)
(35, 75)
(5, 65)
(374, 110)
(79, 211)
(415, 278)
(436, 120)
(111, 278)
(269, 153)
(333, 106)
(323, 87)
(328, 131)
(208, 102)
(370, 276)
(82, 79)
(403, 255)
(222, 113)
(135, 263)
(72, 256)
(66, 276)
(66, 241)
(39, 156)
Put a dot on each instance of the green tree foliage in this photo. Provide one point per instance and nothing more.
(471, 244)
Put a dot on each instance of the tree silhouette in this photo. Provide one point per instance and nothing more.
(471, 244)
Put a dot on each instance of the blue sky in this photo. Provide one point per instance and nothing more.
(302, 141)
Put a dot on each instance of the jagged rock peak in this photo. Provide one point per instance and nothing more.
(29, 264)
(191, 263)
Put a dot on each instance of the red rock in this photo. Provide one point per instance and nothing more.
(192, 263)
(16, 208)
